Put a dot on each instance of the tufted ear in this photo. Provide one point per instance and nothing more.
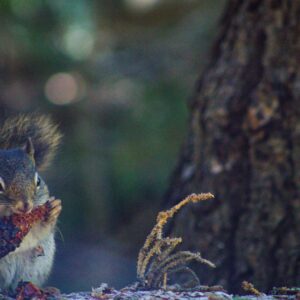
(29, 148)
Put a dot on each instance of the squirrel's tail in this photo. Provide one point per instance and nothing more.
(43, 133)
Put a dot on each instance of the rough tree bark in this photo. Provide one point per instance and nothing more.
(243, 145)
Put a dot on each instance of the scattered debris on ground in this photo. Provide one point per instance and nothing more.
(173, 292)
(134, 293)
(104, 292)
(285, 291)
(27, 291)
(249, 287)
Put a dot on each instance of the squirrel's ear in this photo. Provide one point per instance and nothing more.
(28, 147)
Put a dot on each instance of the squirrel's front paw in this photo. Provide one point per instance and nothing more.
(54, 210)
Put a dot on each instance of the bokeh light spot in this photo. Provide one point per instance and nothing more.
(78, 42)
(62, 89)
(141, 5)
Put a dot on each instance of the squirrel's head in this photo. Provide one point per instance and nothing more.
(19, 180)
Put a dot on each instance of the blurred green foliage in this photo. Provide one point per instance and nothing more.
(115, 75)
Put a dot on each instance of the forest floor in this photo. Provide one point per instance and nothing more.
(130, 294)
(104, 292)
(201, 293)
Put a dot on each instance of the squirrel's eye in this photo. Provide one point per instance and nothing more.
(2, 186)
(37, 180)
(38, 183)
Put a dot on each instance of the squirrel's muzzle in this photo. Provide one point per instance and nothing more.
(23, 207)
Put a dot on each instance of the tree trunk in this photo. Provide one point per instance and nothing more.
(243, 145)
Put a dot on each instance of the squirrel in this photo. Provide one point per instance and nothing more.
(27, 146)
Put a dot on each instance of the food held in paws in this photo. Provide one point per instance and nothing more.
(15, 227)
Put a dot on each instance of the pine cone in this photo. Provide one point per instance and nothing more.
(15, 227)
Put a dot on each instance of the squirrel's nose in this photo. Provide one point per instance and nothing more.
(23, 207)
(27, 207)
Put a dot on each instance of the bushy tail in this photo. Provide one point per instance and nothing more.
(44, 135)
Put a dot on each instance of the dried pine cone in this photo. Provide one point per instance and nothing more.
(15, 227)
(26, 290)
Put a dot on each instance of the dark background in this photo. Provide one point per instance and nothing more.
(116, 76)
